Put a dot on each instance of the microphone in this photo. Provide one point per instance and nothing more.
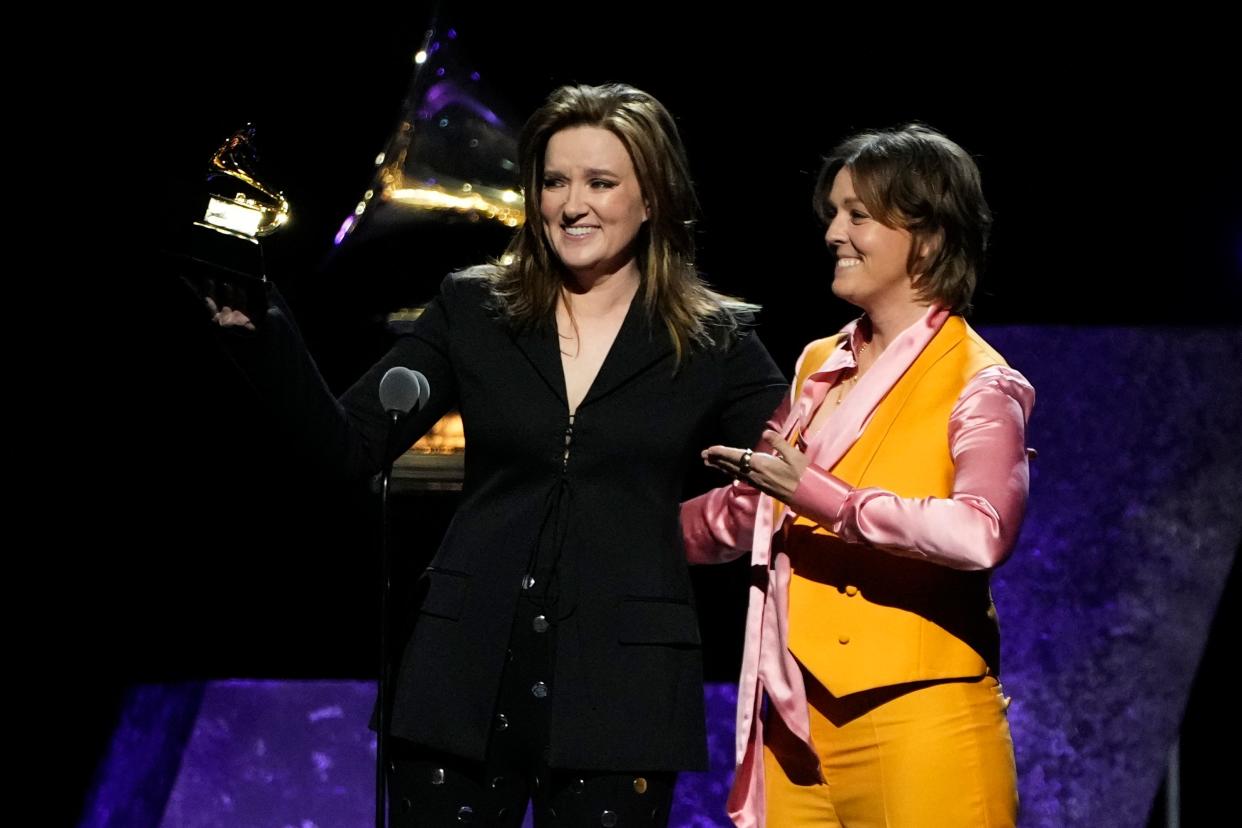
(402, 390)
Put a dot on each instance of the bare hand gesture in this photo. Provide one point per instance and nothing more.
(776, 473)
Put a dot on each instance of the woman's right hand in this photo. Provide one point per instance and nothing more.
(226, 317)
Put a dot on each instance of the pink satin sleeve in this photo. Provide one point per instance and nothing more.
(974, 528)
(719, 526)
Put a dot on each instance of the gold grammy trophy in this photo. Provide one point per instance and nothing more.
(225, 258)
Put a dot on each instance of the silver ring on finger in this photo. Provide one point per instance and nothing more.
(744, 464)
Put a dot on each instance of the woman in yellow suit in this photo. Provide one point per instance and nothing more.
(890, 482)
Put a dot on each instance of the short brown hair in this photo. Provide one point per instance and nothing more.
(916, 179)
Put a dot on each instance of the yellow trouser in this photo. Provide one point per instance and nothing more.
(922, 754)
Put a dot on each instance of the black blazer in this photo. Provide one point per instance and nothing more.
(627, 688)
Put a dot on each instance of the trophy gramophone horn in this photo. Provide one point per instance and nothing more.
(238, 201)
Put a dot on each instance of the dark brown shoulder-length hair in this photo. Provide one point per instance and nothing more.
(527, 282)
(916, 179)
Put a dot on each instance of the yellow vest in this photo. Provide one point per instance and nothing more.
(859, 617)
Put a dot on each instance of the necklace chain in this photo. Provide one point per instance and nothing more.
(849, 383)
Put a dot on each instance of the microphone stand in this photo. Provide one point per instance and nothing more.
(401, 391)
(385, 668)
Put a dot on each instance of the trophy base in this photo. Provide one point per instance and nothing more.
(226, 267)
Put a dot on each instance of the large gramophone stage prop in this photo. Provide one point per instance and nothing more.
(445, 194)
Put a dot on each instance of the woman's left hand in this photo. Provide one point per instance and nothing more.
(776, 474)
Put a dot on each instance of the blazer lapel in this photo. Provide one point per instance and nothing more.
(638, 347)
(539, 346)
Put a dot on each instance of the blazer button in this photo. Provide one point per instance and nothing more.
(640, 785)
(502, 721)
(540, 623)
(851, 590)
(539, 690)
(608, 819)
(844, 639)
(528, 581)
(437, 776)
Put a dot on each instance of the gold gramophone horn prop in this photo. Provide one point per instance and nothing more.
(446, 193)
(451, 157)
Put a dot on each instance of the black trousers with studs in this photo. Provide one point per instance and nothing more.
(428, 789)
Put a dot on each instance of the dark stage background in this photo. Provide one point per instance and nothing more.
(1110, 163)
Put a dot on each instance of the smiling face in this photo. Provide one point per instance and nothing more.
(871, 270)
(591, 203)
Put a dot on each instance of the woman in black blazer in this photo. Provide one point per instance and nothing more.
(556, 653)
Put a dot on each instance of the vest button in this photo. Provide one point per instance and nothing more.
(844, 639)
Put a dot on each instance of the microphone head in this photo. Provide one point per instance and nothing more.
(403, 390)
(424, 388)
